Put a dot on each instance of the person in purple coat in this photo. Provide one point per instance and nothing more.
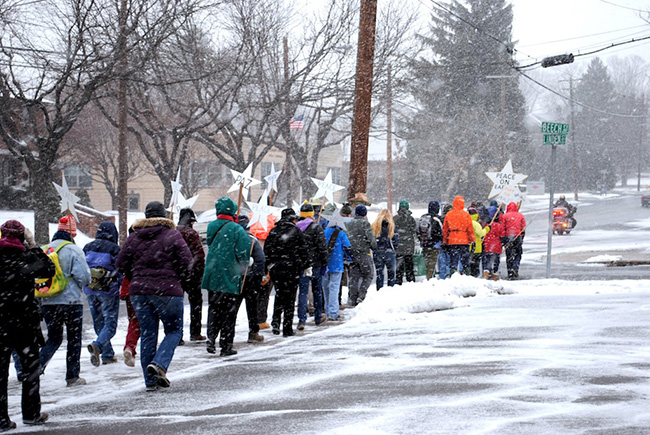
(156, 261)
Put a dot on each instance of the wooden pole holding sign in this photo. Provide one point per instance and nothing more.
(239, 197)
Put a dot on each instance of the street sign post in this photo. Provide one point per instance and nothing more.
(554, 135)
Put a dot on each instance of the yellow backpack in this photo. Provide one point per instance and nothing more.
(46, 287)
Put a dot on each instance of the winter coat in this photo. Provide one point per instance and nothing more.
(74, 266)
(316, 242)
(19, 310)
(257, 252)
(492, 241)
(340, 251)
(285, 247)
(457, 228)
(103, 252)
(155, 258)
(513, 221)
(362, 239)
(193, 240)
(229, 250)
(479, 233)
(436, 227)
(406, 228)
(385, 243)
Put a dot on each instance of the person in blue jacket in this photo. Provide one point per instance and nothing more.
(103, 291)
(339, 249)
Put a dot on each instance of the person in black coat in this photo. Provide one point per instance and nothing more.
(287, 257)
(20, 327)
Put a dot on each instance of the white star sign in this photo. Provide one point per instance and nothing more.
(68, 199)
(506, 177)
(261, 210)
(182, 202)
(326, 188)
(336, 220)
(245, 179)
(176, 189)
(272, 179)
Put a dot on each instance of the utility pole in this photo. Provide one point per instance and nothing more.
(572, 132)
(640, 155)
(286, 168)
(357, 185)
(389, 140)
(123, 169)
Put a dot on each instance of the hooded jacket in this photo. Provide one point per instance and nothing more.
(103, 252)
(340, 251)
(229, 250)
(285, 247)
(406, 228)
(513, 221)
(74, 266)
(457, 228)
(155, 258)
(315, 240)
(479, 233)
(492, 241)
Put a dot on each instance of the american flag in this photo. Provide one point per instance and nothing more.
(296, 122)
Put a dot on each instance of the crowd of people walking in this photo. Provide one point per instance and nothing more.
(309, 255)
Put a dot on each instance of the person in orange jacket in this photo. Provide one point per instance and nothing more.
(457, 235)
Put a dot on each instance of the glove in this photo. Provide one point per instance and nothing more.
(250, 261)
(307, 272)
(265, 279)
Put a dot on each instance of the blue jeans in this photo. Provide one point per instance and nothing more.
(104, 310)
(331, 285)
(316, 281)
(459, 254)
(55, 317)
(443, 263)
(150, 309)
(386, 259)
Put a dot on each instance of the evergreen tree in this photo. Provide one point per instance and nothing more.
(595, 128)
(459, 133)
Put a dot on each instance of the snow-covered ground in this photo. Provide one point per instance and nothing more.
(421, 305)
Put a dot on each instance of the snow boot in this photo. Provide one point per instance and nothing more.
(38, 420)
(158, 374)
(486, 274)
(495, 277)
(228, 351)
(254, 337)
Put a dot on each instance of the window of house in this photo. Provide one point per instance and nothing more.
(78, 176)
(133, 202)
(336, 174)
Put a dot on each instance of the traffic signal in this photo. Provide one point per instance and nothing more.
(557, 60)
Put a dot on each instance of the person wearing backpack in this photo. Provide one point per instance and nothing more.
(66, 307)
(338, 247)
(103, 292)
(156, 261)
(383, 229)
(20, 325)
(362, 268)
(406, 229)
(429, 232)
(318, 256)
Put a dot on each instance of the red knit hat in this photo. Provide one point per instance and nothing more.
(68, 224)
(12, 229)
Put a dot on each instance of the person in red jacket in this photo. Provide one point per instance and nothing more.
(515, 226)
(457, 235)
(492, 246)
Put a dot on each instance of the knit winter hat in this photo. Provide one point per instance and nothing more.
(288, 214)
(12, 229)
(186, 216)
(346, 210)
(404, 204)
(472, 210)
(306, 210)
(361, 210)
(68, 224)
(155, 209)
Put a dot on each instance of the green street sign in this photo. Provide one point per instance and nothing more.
(555, 128)
(554, 139)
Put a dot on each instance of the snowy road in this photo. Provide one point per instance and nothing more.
(575, 360)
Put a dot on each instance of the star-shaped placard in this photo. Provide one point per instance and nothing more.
(272, 179)
(182, 202)
(326, 188)
(506, 177)
(68, 199)
(336, 220)
(245, 179)
(261, 210)
(176, 189)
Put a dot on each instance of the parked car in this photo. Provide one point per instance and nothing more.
(645, 198)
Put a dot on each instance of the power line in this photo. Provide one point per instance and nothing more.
(624, 7)
(645, 26)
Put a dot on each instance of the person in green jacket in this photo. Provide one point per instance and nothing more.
(405, 226)
(225, 268)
